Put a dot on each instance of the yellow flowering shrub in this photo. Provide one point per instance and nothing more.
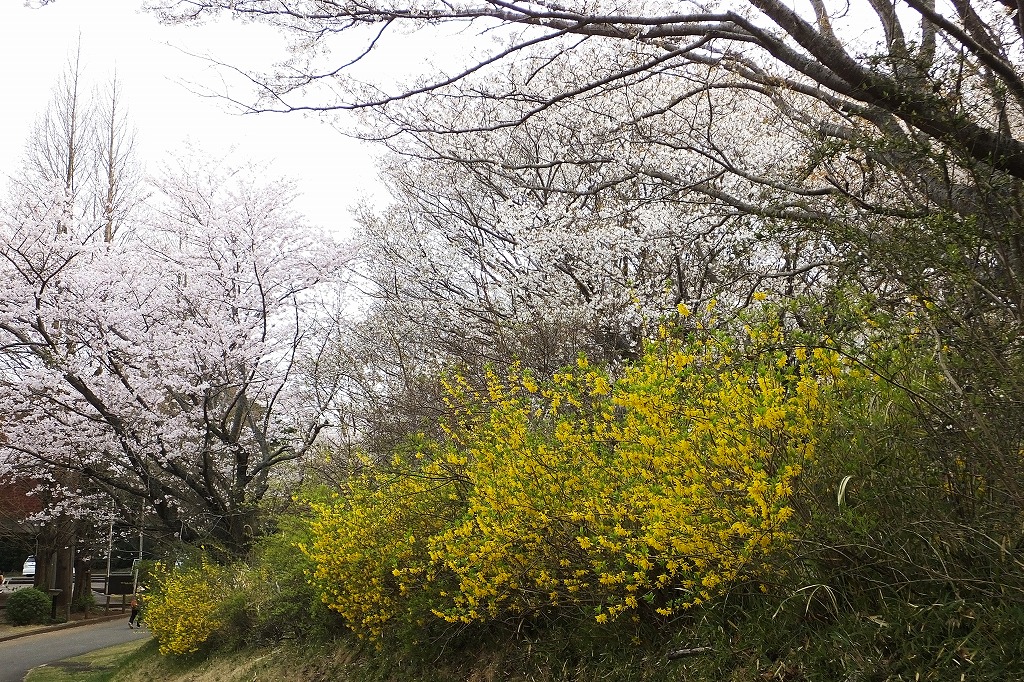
(655, 489)
(180, 607)
(660, 487)
(368, 546)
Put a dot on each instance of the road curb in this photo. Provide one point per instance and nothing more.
(62, 626)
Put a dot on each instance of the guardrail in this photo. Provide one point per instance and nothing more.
(20, 580)
(121, 585)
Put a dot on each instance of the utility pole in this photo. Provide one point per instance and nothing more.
(110, 547)
(138, 562)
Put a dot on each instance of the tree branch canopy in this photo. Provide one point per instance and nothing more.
(873, 61)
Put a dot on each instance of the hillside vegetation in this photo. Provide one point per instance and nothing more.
(738, 502)
(688, 344)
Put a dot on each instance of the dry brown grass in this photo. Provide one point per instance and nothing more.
(283, 664)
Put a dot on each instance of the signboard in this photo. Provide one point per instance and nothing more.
(120, 583)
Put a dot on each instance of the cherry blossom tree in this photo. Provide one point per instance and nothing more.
(83, 143)
(865, 123)
(165, 369)
(554, 218)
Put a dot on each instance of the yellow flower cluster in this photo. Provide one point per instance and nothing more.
(181, 608)
(368, 546)
(655, 490)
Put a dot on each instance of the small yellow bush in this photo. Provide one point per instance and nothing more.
(181, 606)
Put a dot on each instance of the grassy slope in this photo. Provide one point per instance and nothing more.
(804, 641)
(293, 662)
(283, 663)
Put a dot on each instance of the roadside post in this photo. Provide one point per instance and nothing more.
(54, 593)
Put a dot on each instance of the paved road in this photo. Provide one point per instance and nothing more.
(18, 656)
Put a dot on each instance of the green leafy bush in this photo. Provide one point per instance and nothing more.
(290, 606)
(26, 607)
(83, 601)
(269, 598)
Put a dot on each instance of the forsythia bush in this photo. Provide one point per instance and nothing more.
(181, 606)
(654, 490)
(369, 547)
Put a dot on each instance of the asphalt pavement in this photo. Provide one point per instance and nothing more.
(18, 656)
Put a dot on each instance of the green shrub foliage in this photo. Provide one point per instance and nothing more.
(26, 607)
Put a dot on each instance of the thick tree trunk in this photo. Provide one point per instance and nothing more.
(83, 583)
(45, 546)
(64, 581)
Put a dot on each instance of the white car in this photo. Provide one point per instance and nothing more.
(28, 570)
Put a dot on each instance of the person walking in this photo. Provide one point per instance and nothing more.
(133, 620)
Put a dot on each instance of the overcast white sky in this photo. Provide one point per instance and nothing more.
(332, 170)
